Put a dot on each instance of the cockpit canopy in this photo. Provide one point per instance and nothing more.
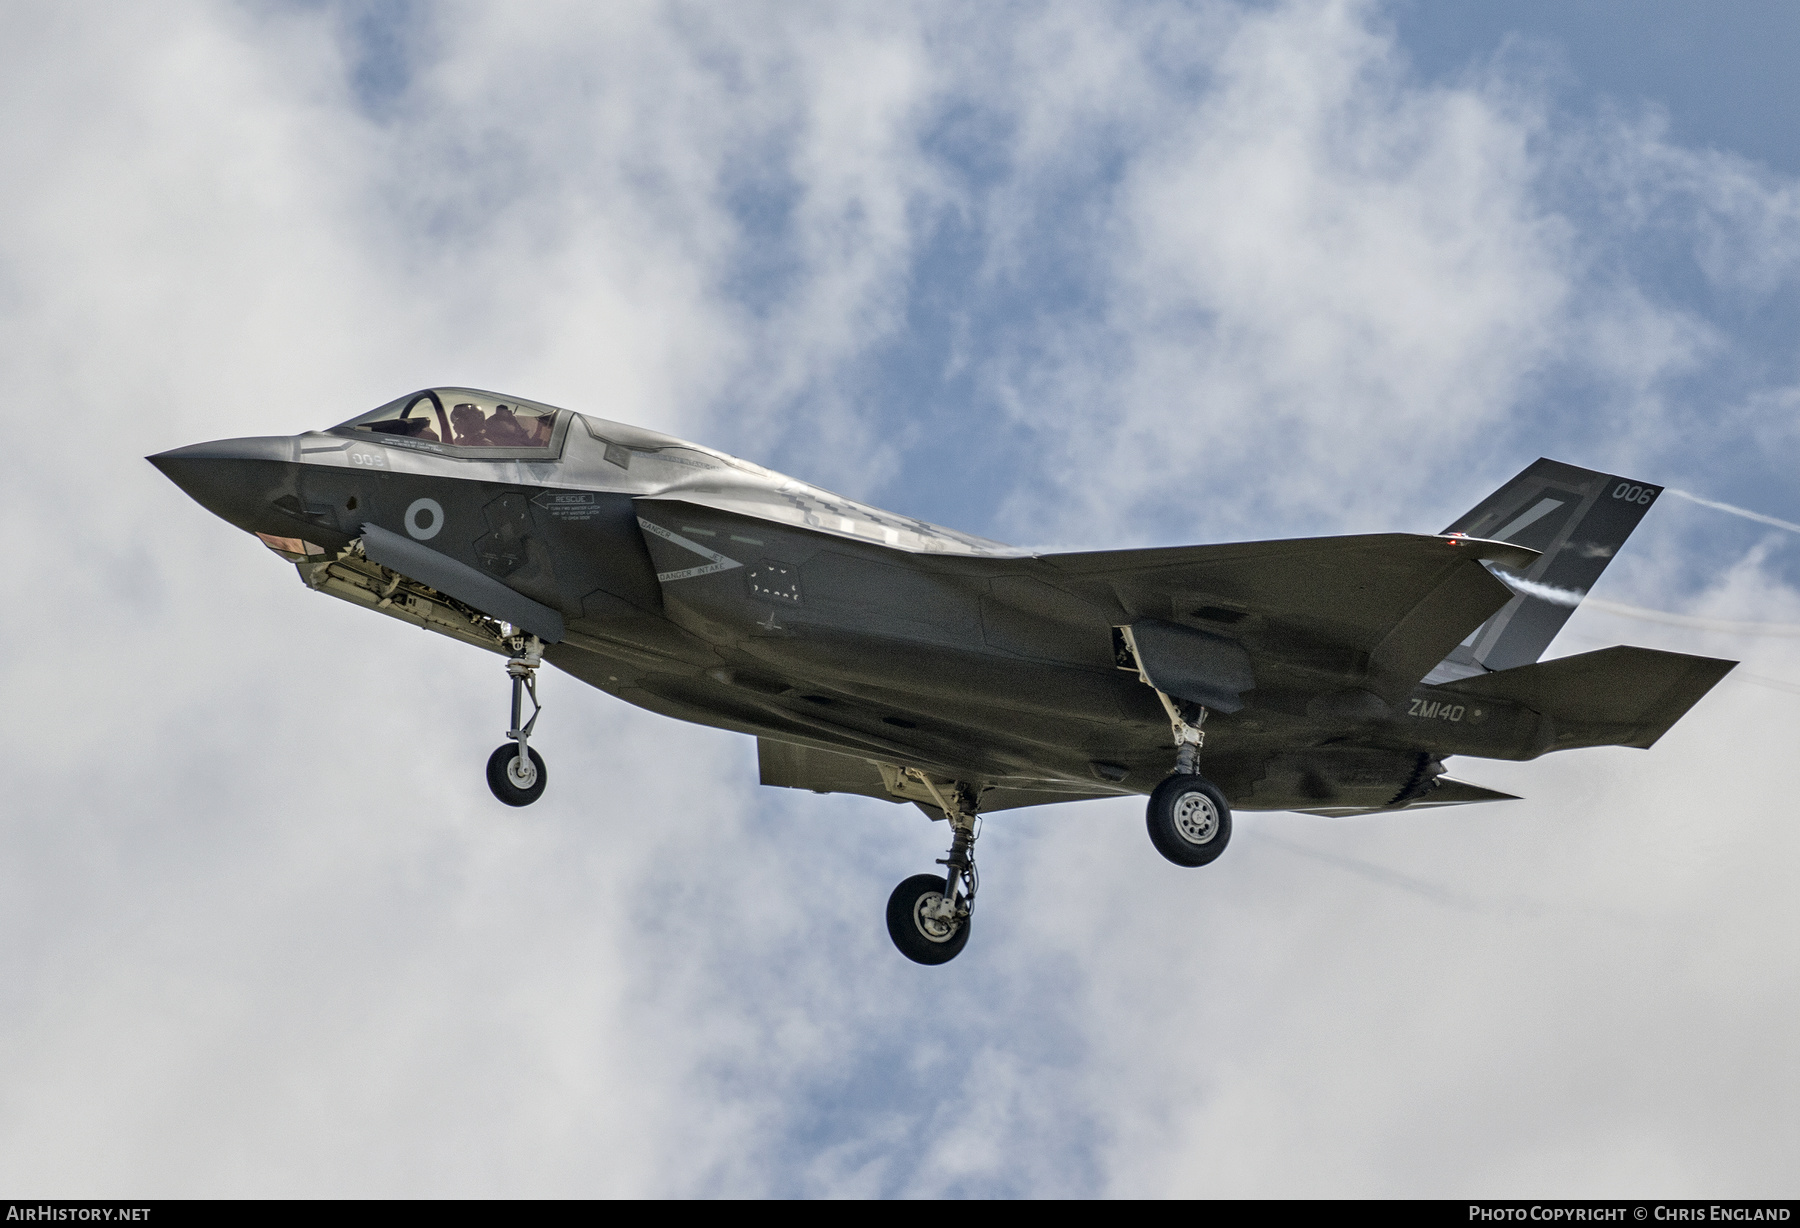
(464, 419)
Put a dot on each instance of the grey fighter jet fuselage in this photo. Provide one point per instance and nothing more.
(876, 654)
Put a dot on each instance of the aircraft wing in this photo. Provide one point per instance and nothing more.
(1379, 610)
(1397, 601)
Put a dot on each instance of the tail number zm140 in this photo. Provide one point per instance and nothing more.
(1435, 710)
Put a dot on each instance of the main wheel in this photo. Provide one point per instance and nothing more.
(923, 939)
(1189, 820)
(513, 782)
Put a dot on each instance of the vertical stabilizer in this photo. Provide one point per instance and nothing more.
(1578, 518)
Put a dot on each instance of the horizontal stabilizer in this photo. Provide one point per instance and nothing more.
(1459, 793)
(1445, 792)
(1619, 696)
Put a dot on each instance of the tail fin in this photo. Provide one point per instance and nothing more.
(1578, 518)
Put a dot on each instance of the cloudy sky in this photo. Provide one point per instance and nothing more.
(1065, 275)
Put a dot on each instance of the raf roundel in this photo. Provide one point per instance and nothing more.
(424, 517)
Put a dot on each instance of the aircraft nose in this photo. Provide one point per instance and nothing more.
(234, 479)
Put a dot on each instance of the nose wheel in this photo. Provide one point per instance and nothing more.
(516, 781)
(515, 772)
(928, 914)
(924, 923)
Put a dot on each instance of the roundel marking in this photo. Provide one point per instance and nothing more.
(424, 517)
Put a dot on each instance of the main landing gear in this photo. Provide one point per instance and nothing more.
(928, 916)
(515, 772)
(1188, 817)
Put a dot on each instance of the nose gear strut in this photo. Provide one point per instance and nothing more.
(515, 772)
(928, 916)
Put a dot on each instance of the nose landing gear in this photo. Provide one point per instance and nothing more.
(928, 916)
(515, 772)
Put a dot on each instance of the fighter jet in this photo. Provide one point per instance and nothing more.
(876, 654)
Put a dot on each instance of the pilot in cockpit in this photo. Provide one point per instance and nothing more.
(470, 427)
(504, 430)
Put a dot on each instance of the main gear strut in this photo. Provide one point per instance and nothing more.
(1188, 817)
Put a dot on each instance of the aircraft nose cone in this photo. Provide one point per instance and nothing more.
(234, 479)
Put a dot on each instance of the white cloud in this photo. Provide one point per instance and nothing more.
(1320, 272)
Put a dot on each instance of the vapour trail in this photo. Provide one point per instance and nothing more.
(1570, 597)
(1375, 873)
(1785, 630)
(1746, 513)
(1776, 684)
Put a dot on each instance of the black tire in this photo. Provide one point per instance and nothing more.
(906, 928)
(500, 781)
(1189, 820)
